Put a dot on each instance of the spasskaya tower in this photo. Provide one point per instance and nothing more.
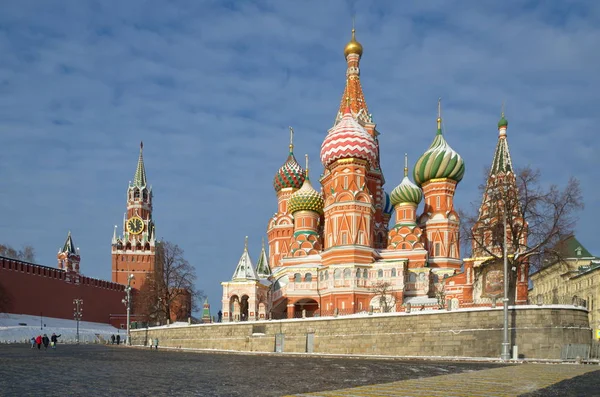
(133, 252)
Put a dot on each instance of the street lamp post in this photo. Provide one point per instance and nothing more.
(505, 355)
(127, 302)
(78, 314)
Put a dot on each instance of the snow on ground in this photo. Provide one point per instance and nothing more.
(16, 328)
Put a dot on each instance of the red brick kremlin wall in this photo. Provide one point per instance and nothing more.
(35, 289)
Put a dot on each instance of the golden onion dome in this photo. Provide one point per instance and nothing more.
(353, 47)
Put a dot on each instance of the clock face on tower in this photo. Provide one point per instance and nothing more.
(135, 225)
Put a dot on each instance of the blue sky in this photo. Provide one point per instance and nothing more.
(211, 87)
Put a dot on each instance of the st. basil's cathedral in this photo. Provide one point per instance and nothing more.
(333, 251)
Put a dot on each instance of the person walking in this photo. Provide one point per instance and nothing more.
(46, 341)
(112, 339)
(118, 339)
(38, 341)
(156, 343)
(54, 340)
(32, 340)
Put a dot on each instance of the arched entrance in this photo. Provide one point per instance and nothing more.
(306, 306)
(238, 308)
(234, 308)
(244, 308)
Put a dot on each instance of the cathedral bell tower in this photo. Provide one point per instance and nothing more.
(133, 253)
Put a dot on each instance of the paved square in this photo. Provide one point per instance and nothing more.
(110, 370)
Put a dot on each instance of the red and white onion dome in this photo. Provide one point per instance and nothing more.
(348, 139)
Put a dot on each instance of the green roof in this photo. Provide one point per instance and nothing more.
(69, 246)
(572, 248)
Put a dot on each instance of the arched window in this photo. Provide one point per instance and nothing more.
(346, 273)
(412, 278)
(297, 278)
(145, 195)
(365, 274)
(394, 272)
(337, 274)
(357, 273)
(308, 277)
(327, 275)
(136, 194)
(379, 273)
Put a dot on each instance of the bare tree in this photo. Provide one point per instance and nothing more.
(385, 293)
(440, 293)
(148, 303)
(172, 291)
(534, 217)
(27, 253)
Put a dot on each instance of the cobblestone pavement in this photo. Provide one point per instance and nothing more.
(92, 370)
(526, 380)
(113, 371)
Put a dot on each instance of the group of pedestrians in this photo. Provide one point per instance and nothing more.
(113, 339)
(44, 340)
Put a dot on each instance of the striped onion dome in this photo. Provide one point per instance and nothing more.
(306, 199)
(290, 174)
(348, 139)
(406, 192)
(388, 207)
(439, 161)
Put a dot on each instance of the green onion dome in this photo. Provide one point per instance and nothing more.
(503, 122)
(439, 161)
(406, 191)
(306, 199)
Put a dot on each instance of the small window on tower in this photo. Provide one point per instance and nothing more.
(437, 202)
(345, 182)
(136, 194)
(438, 248)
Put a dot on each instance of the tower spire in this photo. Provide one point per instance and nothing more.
(244, 269)
(306, 165)
(139, 179)
(502, 163)
(291, 139)
(405, 164)
(353, 90)
(503, 123)
(263, 270)
(439, 117)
